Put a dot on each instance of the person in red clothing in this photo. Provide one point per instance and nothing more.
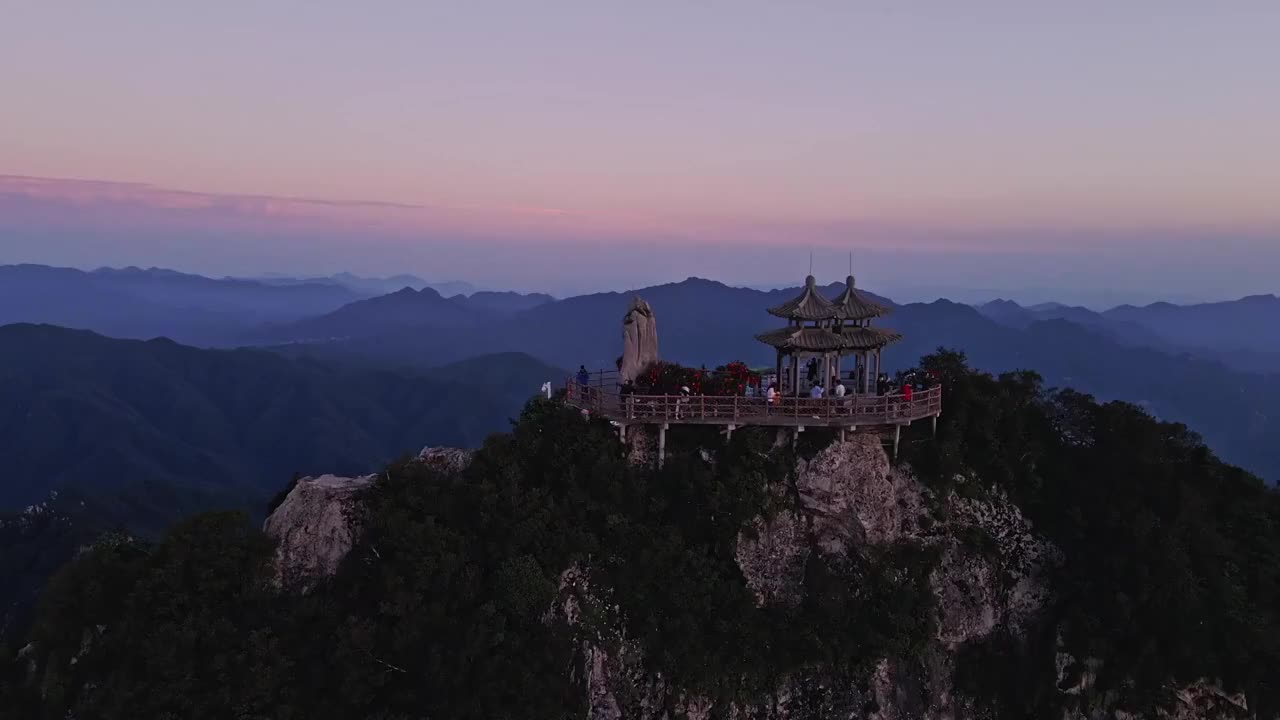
(906, 391)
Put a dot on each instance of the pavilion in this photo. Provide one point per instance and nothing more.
(827, 331)
(817, 328)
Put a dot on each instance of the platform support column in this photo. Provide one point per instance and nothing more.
(662, 444)
(897, 438)
(728, 432)
(935, 425)
(622, 432)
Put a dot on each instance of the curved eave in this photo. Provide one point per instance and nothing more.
(869, 338)
(807, 339)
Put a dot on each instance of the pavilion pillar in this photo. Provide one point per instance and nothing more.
(837, 373)
(778, 376)
(866, 371)
(826, 369)
(878, 370)
(795, 374)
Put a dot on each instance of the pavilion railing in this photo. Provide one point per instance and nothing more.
(598, 398)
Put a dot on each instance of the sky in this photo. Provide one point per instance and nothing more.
(1093, 148)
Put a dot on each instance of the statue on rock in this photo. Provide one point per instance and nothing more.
(639, 340)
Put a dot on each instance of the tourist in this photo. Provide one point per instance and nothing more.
(771, 395)
(815, 392)
(813, 371)
(906, 391)
(682, 400)
(840, 389)
(584, 377)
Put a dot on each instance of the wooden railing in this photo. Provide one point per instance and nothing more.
(599, 398)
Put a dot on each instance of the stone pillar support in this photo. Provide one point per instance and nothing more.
(662, 444)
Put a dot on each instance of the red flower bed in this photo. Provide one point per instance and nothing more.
(664, 378)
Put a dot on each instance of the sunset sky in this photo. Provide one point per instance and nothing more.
(571, 146)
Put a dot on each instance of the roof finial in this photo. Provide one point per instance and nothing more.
(851, 263)
(810, 262)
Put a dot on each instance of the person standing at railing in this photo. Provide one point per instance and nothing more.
(584, 377)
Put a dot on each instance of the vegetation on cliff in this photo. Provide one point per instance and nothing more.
(444, 608)
(1171, 566)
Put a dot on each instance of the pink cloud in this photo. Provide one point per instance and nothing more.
(73, 201)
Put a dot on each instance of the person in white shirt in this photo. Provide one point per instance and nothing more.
(840, 390)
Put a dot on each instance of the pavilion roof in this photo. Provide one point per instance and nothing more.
(851, 304)
(808, 305)
(868, 338)
(809, 338)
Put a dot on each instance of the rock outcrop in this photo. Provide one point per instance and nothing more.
(848, 492)
(445, 459)
(314, 528)
(848, 498)
(639, 340)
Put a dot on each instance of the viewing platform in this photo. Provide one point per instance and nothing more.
(601, 397)
(646, 391)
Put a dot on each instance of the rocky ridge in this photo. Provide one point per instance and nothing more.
(992, 576)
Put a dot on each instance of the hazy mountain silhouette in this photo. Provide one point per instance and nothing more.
(1008, 312)
(1162, 327)
(406, 310)
(137, 303)
(373, 285)
(78, 410)
(255, 300)
(1249, 323)
(504, 302)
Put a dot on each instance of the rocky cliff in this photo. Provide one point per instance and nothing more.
(848, 499)
(314, 526)
(991, 576)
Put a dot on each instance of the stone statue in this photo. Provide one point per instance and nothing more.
(639, 340)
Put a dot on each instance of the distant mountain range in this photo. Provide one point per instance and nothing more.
(1238, 334)
(1212, 366)
(701, 322)
(1250, 323)
(138, 303)
(145, 303)
(82, 411)
(372, 285)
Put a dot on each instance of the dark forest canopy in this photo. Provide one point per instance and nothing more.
(1170, 573)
